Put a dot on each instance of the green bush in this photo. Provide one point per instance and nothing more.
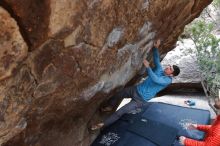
(207, 49)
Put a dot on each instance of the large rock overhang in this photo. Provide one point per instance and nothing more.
(61, 59)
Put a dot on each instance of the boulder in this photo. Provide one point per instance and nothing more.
(184, 57)
(62, 59)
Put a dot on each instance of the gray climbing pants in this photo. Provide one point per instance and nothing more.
(136, 102)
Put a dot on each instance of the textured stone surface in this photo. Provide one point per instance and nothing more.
(77, 53)
(182, 57)
(13, 47)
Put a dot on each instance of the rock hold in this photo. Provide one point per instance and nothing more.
(77, 53)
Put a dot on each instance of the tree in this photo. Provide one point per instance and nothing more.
(207, 49)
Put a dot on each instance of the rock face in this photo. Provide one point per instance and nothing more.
(184, 56)
(61, 59)
(187, 62)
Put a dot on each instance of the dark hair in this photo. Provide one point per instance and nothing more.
(176, 70)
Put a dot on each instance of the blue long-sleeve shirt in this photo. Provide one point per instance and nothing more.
(156, 80)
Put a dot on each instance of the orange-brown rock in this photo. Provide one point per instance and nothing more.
(60, 59)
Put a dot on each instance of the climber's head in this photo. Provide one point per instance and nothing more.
(172, 70)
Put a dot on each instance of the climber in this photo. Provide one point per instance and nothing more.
(157, 80)
(212, 137)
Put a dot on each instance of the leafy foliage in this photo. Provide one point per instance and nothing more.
(207, 49)
(216, 3)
